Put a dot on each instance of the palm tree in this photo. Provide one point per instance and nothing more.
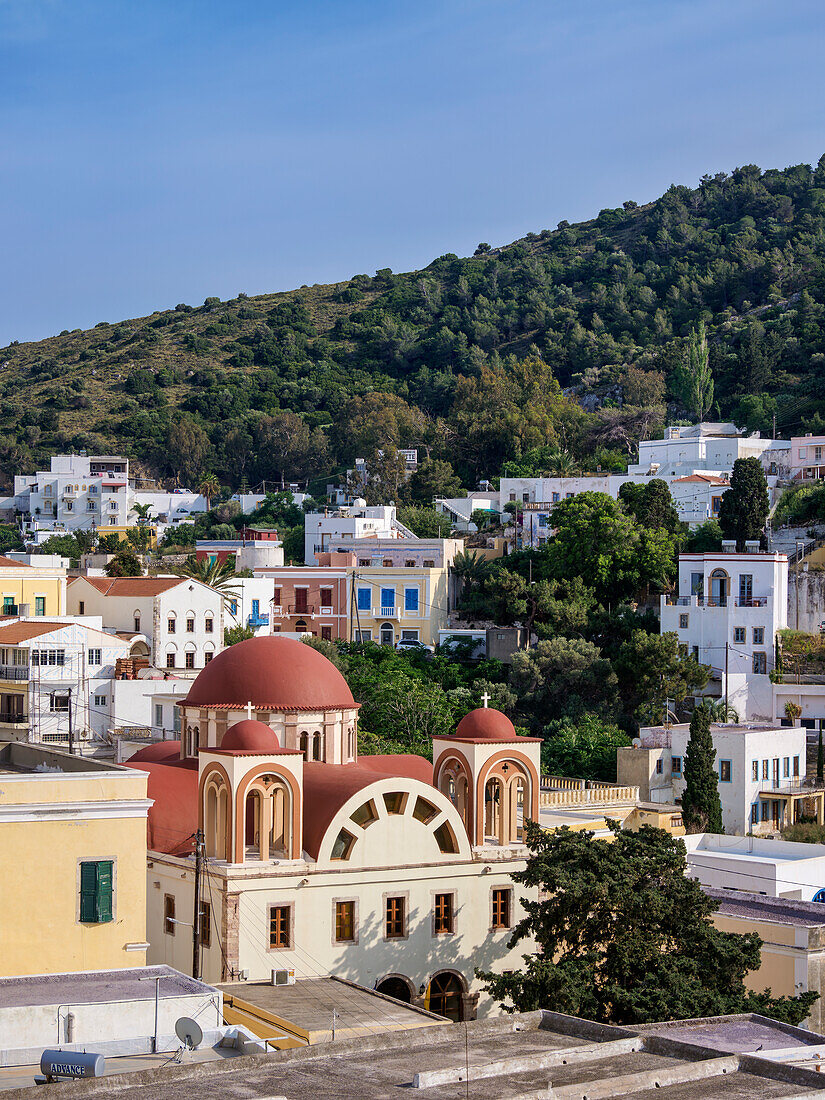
(217, 574)
(722, 712)
(471, 566)
(143, 512)
(209, 487)
(560, 463)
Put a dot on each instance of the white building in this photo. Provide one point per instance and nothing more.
(56, 675)
(694, 461)
(386, 870)
(761, 769)
(757, 865)
(248, 602)
(168, 509)
(726, 612)
(181, 619)
(460, 509)
(78, 492)
(347, 524)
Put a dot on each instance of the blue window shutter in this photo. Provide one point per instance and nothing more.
(364, 599)
(411, 599)
(388, 597)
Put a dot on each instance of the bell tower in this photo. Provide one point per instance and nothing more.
(491, 775)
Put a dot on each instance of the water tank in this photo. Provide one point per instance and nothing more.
(71, 1063)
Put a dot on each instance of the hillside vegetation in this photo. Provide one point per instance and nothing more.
(471, 360)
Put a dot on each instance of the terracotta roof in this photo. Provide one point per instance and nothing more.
(132, 586)
(10, 563)
(251, 736)
(705, 479)
(25, 631)
(273, 673)
(487, 724)
(173, 819)
(328, 786)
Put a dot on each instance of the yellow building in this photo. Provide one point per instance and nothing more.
(401, 604)
(793, 943)
(25, 590)
(72, 862)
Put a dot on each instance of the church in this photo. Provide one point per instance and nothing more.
(389, 871)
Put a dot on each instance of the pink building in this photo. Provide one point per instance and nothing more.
(808, 457)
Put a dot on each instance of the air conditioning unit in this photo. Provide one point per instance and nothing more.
(283, 977)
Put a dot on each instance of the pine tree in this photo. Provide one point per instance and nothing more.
(745, 506)
(701, 805)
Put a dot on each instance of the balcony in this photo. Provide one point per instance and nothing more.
(257, 620)
(389, 613)
(7, 718)
(301, 609)
(752, 601)
(14, 672)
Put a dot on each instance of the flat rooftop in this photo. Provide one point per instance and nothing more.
(737, 903)
(96, 986)
(310, 1003)
(19, 757)
(518, 1057)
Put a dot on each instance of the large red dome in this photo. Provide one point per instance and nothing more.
(272, 673)
(486, 724)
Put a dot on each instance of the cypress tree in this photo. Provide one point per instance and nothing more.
(745, 506)
(701, 805)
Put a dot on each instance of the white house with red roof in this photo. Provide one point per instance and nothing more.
(385, 870)
(181, 618)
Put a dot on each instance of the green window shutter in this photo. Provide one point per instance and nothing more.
(104, 891)
(88, 892)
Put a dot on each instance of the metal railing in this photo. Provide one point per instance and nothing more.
(301, 609)
(14, 672)
(752, 601)
(13, 719)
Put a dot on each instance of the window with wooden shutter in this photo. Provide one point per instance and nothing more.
(96, 890)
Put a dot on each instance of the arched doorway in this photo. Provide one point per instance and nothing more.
(396, 987)
(387, 634)
(719, 588)
(445, 996)
(254, 821)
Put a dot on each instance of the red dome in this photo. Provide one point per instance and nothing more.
(486, 724)
(272, 673)
(159, 752)
(251, 736)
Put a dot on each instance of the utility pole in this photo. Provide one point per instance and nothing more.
(71, 738)
(727, 651)
(196, 919)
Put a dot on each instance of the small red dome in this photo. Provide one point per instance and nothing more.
(486, 724)
(272, 673)
(251, 736)
(159, 752)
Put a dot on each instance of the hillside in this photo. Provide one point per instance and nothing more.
(189, 389)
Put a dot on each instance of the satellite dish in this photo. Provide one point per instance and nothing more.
(189, 1032)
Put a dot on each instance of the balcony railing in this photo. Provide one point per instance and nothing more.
(14, 672)
(8, 719)
(752, 601)
(257, 620)
(301, 609)
(389, 613)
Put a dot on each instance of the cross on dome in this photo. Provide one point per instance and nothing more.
(486, 697)
(248, 709)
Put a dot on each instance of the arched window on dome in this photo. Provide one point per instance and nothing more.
(517, 800)
(216, 824)
(455, 785)
(317, 745)
(351, 743)
(303, 743)
(268, 819)
(493, 807)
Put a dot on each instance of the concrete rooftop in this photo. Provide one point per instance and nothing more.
(736, 903)
(534, 1056)
(310, 1003)
(97, 986)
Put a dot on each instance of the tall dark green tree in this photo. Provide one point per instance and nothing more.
(623, 936)
(701, 805)
(746, 505)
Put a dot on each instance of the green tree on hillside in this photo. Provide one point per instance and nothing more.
(701, 805)
(624, 936)
(745, 507)
(694, 378)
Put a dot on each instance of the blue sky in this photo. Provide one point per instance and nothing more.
(159, 151)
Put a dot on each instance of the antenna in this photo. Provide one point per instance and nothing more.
(190, 1034)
